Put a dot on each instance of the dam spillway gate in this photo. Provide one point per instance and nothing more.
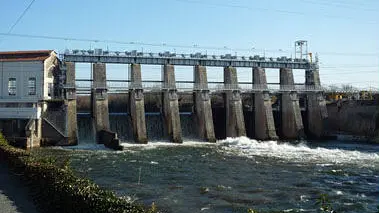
(298, 111)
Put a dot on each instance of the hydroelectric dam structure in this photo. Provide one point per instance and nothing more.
(298, 107)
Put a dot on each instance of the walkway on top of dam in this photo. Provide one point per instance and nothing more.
(135, 57)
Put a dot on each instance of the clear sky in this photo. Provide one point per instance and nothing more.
(344, 33)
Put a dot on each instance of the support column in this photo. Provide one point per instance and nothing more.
(38, 133)
(70, 102)
(99, 97)
(292, 123)
(33, 135)
(170, 104)
(263, 117)
(203, 108)
(137, 104)
(235, 124)
(316, 106)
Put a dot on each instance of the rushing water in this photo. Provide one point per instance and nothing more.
(236, 174)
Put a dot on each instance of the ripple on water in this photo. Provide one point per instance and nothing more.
(288, 176)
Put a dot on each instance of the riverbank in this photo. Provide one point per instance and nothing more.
(56, 188)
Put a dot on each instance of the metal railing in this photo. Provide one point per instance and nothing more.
(190, 86)
(172, 55)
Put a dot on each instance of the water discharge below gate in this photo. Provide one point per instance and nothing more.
(234, 174)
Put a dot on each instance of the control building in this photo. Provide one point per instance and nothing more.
(28, 82)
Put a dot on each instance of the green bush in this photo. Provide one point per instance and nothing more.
(57, 189)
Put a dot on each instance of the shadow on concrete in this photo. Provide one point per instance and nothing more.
(14, 195)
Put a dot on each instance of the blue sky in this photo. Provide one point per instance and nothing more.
(345, 34)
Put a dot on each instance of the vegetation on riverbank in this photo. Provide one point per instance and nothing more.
(56, 188)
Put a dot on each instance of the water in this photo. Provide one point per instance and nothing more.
(234, 174)
(122, 125)
(85, 129)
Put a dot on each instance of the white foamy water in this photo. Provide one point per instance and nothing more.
(250, 148)
(297, 153)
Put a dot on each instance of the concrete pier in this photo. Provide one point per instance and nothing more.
(235, 124)
(263, 116)
(316, 106)
(291, 120)
(99, 99)
(170, 104)
(70, 102)
(137, 105)
(203, 108)
(33, 133)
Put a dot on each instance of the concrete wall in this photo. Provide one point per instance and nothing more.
(50, 64)
(24, 105)
(99, 96)
(137, 104)
(33, 133)
(353, 117)
(42, 71)
(235, 122)
(71, 106)
(316, 107)
(110, 139)
(291, 120)
(263, 118)
(202, 106)
(170, 104)
(21, 71)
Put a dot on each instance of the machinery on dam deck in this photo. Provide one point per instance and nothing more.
(135, 57)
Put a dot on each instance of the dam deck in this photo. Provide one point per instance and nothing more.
(135, 57)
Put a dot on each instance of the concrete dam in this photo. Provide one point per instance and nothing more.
(216, 109)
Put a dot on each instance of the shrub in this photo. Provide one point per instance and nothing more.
(57, 189)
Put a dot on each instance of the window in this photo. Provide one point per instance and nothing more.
(32, 86)
(50, 89)
(12, 86)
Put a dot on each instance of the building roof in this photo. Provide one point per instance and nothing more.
(31, 55)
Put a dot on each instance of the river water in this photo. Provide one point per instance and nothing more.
(234, 174)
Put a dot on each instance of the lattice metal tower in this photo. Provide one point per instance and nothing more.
(301, 49)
